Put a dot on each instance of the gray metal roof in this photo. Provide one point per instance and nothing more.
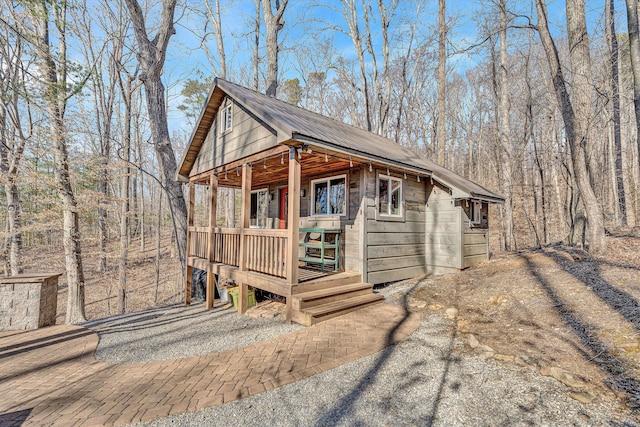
(297, 124)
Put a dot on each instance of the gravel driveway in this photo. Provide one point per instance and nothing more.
(423, 380)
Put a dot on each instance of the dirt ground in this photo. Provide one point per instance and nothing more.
(101, 288)
(556, 310)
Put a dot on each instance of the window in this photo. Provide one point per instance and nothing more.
(476, 212)
(225, 119)
(329, 196)
(259, 208)
(389, 196)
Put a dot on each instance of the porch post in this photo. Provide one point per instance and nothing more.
(189, 269)
(245, 215)
(213, 215)
(293, 221)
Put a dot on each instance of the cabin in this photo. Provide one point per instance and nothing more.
(327, 210)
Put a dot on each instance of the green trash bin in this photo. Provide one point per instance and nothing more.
(234, 294)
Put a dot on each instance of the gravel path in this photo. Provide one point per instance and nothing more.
(423, 380)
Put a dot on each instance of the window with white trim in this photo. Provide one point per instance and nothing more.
(226, 119)
(259, 208)
(329, 196)
(389, 196)
(476, 212)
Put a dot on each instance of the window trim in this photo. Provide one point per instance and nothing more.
(266, 190)
(476, 212)
(328, 179)
(223, 121)
(386, 215)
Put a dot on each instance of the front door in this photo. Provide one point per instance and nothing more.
(284, 207)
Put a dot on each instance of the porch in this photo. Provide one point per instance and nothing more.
(267, 257)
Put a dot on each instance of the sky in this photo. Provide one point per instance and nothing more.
(310, 20)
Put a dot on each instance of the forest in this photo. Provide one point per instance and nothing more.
(537, 102)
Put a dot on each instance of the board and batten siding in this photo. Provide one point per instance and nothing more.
(443, 226)
(395, 248)
(247, 136)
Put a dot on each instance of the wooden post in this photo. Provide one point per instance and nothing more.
(189, 269)
(213, 215)
(245, 217)
(293, 222)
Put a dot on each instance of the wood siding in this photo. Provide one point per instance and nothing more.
(443, 230)
(395, 249)
(246, 137)
(475, 240)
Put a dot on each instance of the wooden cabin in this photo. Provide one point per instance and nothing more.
(327, 209)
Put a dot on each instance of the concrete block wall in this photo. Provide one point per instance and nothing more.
(28, 301)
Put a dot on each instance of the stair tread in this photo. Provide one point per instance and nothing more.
(343, 304)
(335, 290)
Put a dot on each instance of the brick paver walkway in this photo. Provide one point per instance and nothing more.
(49, 376)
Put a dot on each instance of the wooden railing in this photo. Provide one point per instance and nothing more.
(226, 246)
(198, 241)
(266, 251)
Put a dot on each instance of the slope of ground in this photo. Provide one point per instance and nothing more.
(556, 310)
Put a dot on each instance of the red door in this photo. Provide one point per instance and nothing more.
(284, 207)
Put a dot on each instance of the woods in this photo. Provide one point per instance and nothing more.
(98, 99)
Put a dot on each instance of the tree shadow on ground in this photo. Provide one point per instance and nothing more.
(622, 302)
(344, 407)
(593, 350)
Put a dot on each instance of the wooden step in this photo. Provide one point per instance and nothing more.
(324, 296)
(328, 281)
(319, 313)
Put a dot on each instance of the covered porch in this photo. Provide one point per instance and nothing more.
(254, 249)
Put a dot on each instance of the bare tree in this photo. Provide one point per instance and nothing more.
(634, 51)
(442, 82)
(151, 55)
(504, 130)
(615, 104)
(55, 76)
(16, 127)
(274, 22)
(576, 109)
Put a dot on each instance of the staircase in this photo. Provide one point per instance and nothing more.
(332, 297)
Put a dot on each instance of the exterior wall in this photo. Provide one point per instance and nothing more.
(395, 249)
(475, 243)
(443, 230)
(28, 301)
(246, 137)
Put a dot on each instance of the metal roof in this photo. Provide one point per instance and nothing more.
(295, 124)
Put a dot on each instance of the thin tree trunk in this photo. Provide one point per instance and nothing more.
(615, 94)
(442, 83)
(124, 211)
(506, 177)
(634, 53)
(256, 48)
(158, 238)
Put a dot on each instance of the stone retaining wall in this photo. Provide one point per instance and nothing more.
(28, 301)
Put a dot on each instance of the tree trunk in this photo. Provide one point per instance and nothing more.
(575, 114)
(506, 177)
(14, 224)
(124, 210)
(256, 48)
(54, 73)
(442, 83)
(274, 23)
(634, 51)
(151, 57)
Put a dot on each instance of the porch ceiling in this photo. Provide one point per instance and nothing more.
(275, 168)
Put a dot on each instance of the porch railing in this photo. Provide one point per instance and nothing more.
(265, 249)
